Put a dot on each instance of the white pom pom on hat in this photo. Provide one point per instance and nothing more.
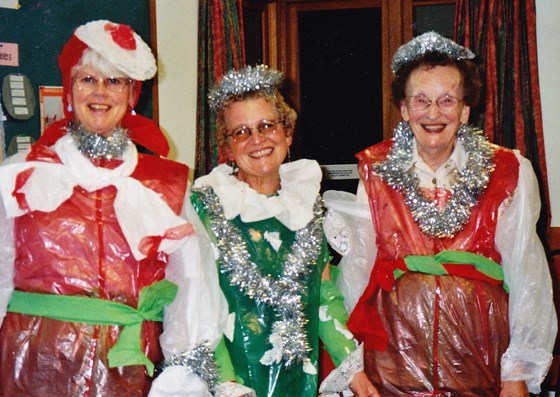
(121, 46)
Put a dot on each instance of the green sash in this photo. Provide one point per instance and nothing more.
(434, 264)
(81, 309)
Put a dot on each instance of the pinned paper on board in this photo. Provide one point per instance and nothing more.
(10, 4)
(50, 105)
(9, 54)
(18, 96)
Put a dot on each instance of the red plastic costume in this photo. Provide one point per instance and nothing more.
(429, 335)
(79, 249)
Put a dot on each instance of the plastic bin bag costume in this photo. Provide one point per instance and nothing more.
(452, 307)
(86, 250)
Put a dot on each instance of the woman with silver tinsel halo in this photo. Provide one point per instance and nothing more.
(459, 297)
(91, 231)
(264, 218)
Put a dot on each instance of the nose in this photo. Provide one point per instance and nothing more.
(433, 109)
(100, 87)
(256, 135)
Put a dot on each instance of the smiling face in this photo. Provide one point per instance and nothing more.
(435, 130)
(259, 157)
(99, 110)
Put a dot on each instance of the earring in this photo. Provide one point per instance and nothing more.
(69, 108)
(133, 112)
(234, 167)
(289, 155)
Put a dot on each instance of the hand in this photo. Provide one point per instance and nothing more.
(362, 387)
(514, 388)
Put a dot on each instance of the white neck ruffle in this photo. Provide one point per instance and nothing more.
(143, 216)
(300, 182)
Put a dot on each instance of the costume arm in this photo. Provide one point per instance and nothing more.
(349, 230)
(197, 314)
(337, 339)
(532, 318)
(7, 245)
(7, 257)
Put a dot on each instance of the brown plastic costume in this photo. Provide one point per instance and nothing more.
(428, 335)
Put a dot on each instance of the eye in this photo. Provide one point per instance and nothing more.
(115, 81)
(421, 100)
(240, 133)
(267, 127)
(87, 80)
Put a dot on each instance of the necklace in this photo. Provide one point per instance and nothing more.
(282, 293)
(96, 146)
(471, 183)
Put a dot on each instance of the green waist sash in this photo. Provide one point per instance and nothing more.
(435, 265)
(81, 309)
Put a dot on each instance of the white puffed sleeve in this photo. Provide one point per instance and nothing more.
(349, 229)
(196, 316)
(532, 318)
(7, 247)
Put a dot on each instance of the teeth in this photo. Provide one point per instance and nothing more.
(261, 153)
(434, 127)
(97, 106)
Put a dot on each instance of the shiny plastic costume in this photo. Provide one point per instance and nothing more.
(268, 225)
(79, 249)
(445, 329)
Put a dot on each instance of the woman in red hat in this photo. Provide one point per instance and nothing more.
(90, 229)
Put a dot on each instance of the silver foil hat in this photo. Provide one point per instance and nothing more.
(239, 82)
(425, 43)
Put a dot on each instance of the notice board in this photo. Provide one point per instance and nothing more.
(40, 28)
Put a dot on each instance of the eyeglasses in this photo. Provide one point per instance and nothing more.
(445, 103)
(89, 83)
(265, 127)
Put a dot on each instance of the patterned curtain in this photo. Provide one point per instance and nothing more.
(220, 48)
(503, 35)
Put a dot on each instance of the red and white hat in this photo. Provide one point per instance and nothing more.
(121, 46)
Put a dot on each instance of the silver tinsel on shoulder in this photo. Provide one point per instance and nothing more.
(200, 361)
(282, 293)
(428, 42)
(470, 185)
(96, 146)
(239, 82)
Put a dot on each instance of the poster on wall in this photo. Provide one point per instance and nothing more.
(50, 104)
(14, 4)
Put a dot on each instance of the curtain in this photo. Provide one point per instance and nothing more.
(503, 35)
(220, 48)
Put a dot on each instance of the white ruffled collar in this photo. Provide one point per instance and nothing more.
(300, 182)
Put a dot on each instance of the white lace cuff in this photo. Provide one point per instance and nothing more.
(530, 365)
(339, 379)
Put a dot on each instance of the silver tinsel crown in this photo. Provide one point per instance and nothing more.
(428, 42)
(239, 82)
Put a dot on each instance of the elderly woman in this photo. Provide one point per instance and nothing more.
(87, 225)
(264, 218)
(459, 299)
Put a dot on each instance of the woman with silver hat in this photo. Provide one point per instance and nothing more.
(459, 297)
(263, 215)
(89, 231)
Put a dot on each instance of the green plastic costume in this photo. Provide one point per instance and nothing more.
(239, 358)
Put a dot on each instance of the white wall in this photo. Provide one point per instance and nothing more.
(177, 36)
(548, 47)
(177, 52)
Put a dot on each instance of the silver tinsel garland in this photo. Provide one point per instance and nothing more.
(283, 293)
(200, 361)
(239, 82)
(470, 185)
(96, 146)
(428, 42)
